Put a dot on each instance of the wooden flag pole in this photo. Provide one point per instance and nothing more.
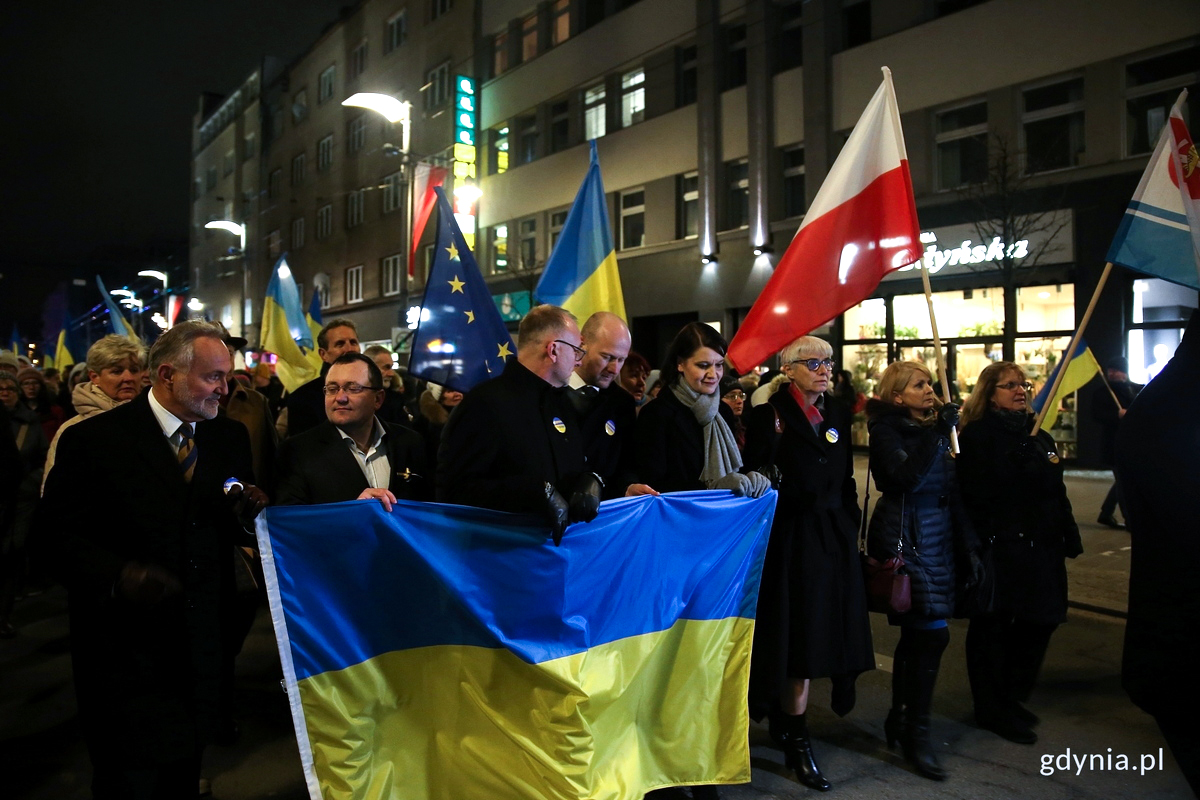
(1087, 315)
(937, 347)
(1108, 386)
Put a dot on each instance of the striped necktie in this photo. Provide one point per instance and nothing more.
(187, 452)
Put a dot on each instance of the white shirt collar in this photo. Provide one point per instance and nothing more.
(577, 382)
(166, 420)
(376, 436)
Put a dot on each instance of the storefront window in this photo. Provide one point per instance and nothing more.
(1160, 312)
(1046, 308)
(867, 320)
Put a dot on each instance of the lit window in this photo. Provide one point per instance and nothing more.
(529, 37)
(633, 97)
(560, 22)
(499, 159)
(594, 112)
(500, 60)
(354, 277)
(500, 248)
(391, 275)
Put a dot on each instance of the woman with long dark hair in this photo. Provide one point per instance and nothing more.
(1026, 521)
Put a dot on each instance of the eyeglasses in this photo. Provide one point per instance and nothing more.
(1013, 385)
(735, 396)
(332, 389)
(813, 364)
(8, 388)
(579, 351)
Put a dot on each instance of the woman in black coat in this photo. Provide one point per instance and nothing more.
(682, 440)
(812, 619)
(1013, 490)
(919, 517)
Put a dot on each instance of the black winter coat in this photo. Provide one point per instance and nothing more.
(812, 619)
(1017, 501)
(920, 513)
(669, 444)
(1158, 458)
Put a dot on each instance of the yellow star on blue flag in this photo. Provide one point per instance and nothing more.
(461, 339)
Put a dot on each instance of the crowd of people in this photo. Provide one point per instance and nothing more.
(161, 601)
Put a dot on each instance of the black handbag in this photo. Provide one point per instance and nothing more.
(888, 586)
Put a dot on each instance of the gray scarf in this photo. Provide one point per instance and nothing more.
(721, 455)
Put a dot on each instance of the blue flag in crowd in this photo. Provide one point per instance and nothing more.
(461, 339)
(115, 318)
(448, 652)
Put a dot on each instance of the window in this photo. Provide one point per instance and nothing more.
(737, 208)
(249, 143)
(274, 184)
(321, 288)
(1151, 86)
(325, 83)
(557, 220)
(734, 73)
(354, 277)
(274, 244)
(358, 60)
(297, 233)
(325, 221)
(961, 136)
(210, 178)
(560, 22)
(528, 229)
(688, 217)
(325, 153)
(298, 170)
(499, 159)
(357, 134)
(527, 133)
(230, 160)
(633, 97)
(1052, 125)
(856, 23)
(391, 275)
(300, 106)
(393, 192)
(560, 128)
(595, 112)
(633, 218)
(500, 57)
(791, 38)
(794, 201)
(438, 80)
(529, 37)
(354, 207)
(685, 84)
(499, 236)
(437, 8)
(395, 32)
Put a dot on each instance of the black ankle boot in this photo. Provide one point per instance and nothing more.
(791, 732)
(918, 750)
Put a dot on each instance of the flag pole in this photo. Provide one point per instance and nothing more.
(937, 347)
(1087, 315)
(1108, 386)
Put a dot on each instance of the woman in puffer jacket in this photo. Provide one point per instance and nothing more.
(920, 518)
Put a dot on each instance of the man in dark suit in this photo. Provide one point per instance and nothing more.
(353, 455)
(514, 442)
(606, 411)
(140, 515)
(1109, 414)
(306, 405)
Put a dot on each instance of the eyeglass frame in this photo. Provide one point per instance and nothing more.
(814, 364)
(1011, 386)
(580, 352)
(352, 389)
(736, 394)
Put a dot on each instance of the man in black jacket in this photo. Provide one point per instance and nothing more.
(1109, 414)
(306, 406)
(140, 515)
(514, 443)
(606, 411)
(353, 455)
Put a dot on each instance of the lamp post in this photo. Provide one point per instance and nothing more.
(162, 276)
(240, 232)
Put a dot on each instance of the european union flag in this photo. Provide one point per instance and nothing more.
(460, 340)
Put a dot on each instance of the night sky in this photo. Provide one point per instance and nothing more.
(97, 109)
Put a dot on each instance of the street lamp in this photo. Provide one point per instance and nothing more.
(225, 225)
(393, 111)
(240, 232)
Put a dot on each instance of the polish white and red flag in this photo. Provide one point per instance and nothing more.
(861, 225)
(426, 178)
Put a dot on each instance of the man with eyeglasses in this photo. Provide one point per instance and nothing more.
(606, 411)
(514, 443)
(353, 455)
(305, 409)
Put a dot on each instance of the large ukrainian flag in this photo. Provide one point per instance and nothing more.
(449, 653)
(285, 331)
(1081, 368)
(581, 274)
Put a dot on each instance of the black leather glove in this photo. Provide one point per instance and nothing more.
(557, 513)
(146, 584)
(771, 473)
(947, 417)
(977, 569)
(585, 497)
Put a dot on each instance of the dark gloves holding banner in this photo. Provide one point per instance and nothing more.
(752, 484)
(771, 473)
(947, 417)
(557, 512)
(585, 497)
